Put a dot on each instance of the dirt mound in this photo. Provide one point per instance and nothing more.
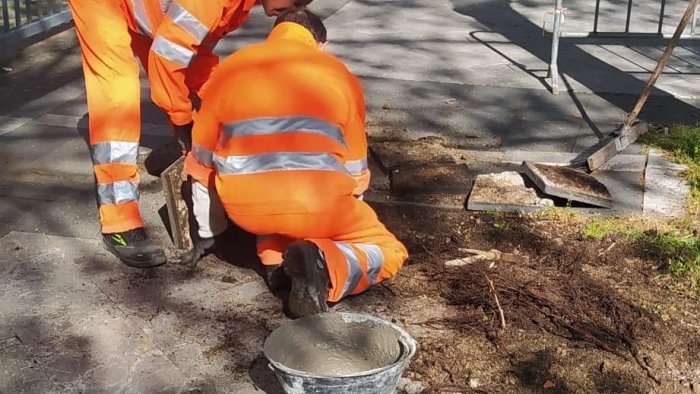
(582, 315)
(567, 303)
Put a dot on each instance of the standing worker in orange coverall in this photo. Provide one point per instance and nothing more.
(174, 41)
(288, 163)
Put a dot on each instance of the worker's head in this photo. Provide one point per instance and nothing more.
(308, 20)
(276, 7)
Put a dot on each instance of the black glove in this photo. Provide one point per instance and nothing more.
(184, 135)
(201, 248)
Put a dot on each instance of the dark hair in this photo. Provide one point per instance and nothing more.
(307, 19)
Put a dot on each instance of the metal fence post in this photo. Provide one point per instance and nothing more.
(5, 17)
(556, 33)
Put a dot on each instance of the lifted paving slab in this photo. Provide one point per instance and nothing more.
(568, 183)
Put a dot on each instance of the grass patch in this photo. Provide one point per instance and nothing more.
(601, 228)
(672, 243)
(681, 254)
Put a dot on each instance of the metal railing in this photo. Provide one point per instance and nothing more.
(16, 13)
(557, 33)
(26, 21)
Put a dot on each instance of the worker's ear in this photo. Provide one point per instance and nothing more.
(322, 45)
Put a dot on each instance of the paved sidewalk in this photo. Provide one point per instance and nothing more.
(73, 319)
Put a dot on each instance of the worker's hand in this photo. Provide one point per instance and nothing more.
(201, 248)
(184, 135)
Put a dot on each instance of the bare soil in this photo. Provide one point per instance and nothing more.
(582, 315)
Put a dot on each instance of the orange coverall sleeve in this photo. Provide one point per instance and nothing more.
(175, 45)
(205, 136)
(356, 136)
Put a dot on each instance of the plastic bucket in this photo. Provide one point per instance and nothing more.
(378, 380)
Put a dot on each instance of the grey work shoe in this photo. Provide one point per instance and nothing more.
(305, 265)
(134, 248)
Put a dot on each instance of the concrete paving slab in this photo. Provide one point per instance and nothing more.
(621, 162)
(540, 135)
(50, 101)
(148, 128)
(8, 124)
(19, 373)
(70, 159)
(79, 338)
(209, 321)
(665, 189)
(184, 329)
(626, 189)
(68, 215)
(540, 105)
(605, 108)
(568, 183)
(445, 110)
(31, 142)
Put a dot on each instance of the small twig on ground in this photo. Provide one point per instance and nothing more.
(498, 303)
(428, 251)
(609, 248)
(645, 367)
(481, 255)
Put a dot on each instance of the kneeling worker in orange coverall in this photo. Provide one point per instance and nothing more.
(280, 140)
(173, 40)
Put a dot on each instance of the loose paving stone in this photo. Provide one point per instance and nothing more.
(621, 162)
(505, 192)
(665, 189)
(568, 183)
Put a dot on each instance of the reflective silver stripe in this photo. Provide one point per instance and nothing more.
(117, 192)
(270, 125)
(203, 155)
(278, 161)
(141, 18)
(171, 51)
(355, 167)
(165, 5)
(375, 261)
(115, 152)
(354, 270)
(188, 22)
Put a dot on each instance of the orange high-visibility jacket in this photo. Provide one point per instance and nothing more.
(178, 29)
(282, 128)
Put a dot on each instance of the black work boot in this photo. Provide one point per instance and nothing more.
(304, 263)
(276, 278)
(134, 248)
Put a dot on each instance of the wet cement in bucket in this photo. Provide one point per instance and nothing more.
(328, 345)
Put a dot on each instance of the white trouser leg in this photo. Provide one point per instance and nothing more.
(208, 210)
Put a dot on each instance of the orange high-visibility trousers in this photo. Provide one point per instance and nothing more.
(111, 72)
(113, 98)
(358, 249)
